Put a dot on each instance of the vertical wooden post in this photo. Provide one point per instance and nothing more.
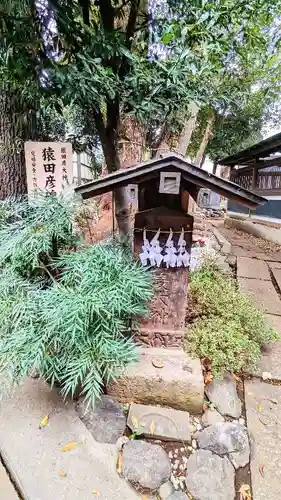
(254, 178)
(79, 175)
(254, 184)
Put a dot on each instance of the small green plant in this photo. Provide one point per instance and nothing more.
(227, 328)
(65, 308)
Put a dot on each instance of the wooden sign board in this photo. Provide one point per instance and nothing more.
(48, 166)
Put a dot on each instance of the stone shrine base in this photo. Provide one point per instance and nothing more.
(167, 377)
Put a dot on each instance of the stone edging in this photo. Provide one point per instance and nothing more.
(223, 242)
(258, 230)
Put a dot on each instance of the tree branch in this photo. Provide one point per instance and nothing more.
(85, 6)
(107, 14)
(129, 32)
(132, 22)
(107, 135)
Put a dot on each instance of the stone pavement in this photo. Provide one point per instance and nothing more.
(259, 276)
(263, 405)
(35, 458)
(7, 491)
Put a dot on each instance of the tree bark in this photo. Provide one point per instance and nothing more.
(122, 211)
(204, 142)
(187, 130)
(131, 146)
(131, 143)
(163, 147)
(12, 160)
(129, 151)
(18, 123)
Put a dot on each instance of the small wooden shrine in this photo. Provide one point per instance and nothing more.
(160, 190)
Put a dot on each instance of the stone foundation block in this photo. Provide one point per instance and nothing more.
(166, 377)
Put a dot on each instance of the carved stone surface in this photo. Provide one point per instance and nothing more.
(159, 338)
(164, 327)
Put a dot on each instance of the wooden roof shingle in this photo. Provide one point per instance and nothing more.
(190, 174)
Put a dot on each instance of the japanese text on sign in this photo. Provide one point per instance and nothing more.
(48, 166)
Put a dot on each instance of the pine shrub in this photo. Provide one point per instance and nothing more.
(228, 329)
(65, 308)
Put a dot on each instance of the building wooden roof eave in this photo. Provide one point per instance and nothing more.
(190, 173)
(258, 151)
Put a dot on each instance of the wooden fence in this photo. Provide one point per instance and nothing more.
(263, 181)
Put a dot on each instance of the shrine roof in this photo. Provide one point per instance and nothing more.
(190, 174)
(255, 153)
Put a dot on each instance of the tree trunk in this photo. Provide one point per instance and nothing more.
(12, 160)
(215, 165)
(18, 123)
(122, 211)
(131, 143)
(131, 146)
(163, 147)
(205, 139)
(187, 130)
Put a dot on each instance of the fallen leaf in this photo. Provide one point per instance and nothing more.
(192, 428)
(69, 446)
(135, 422)
(261, 470)
(44, 421)
(62, 474)
(208, 378)
(152, 427)
(207, 365)
(119, 464)
(245, 492)
(96, 492)
(260, 407)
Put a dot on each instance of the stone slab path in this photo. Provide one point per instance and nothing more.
(262, 400)
(252, 268)
(158, 422)
(262, 293)
(35, 458)
(263, 407)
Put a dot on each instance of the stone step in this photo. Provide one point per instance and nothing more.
(34, 456)
(159, 423)
(167, 376)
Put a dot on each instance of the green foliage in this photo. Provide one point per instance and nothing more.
(36, 233)
(70, 321)
(229, 330)
(105, 59)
